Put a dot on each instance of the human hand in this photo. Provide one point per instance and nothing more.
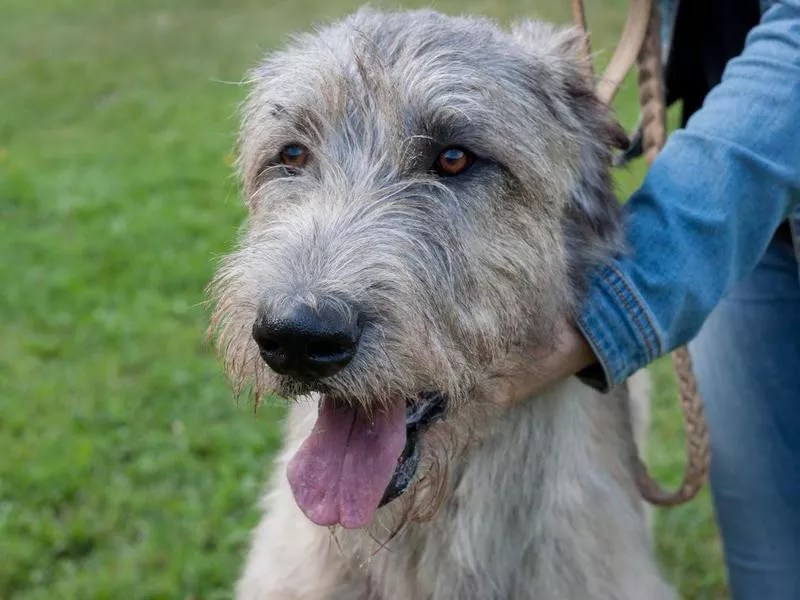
(535, 371)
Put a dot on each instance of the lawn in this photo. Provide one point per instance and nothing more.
(126, 468)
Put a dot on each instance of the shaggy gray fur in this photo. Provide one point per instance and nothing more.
(454, 277)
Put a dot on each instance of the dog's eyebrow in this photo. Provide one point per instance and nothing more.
(446, 127)
(278, 111)
(308, 122)
(300, 121)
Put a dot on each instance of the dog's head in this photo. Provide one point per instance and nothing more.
(425, 195)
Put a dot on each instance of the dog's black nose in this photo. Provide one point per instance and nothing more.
(307, 343)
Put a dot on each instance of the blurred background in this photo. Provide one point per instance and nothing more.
(127, 470)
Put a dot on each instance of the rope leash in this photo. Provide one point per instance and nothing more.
(641, 45)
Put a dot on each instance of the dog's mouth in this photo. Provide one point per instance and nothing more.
(353, 463)
(430, 407)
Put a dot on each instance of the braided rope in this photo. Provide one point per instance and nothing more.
(644, 15)
(651, 97)
(579, 15)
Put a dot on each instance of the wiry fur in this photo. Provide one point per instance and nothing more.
(454, 277)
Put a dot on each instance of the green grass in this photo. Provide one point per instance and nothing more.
(126, 469)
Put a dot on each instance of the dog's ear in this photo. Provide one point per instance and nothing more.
(562, 50)
(592, 216)
(550, 41)
(562, 47)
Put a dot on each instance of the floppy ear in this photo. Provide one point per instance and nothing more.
(551, 42)
(562, 49)
(592, 219)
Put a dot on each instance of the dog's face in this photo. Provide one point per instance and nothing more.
(425, 194)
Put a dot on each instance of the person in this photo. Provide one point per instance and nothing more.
(713, 238)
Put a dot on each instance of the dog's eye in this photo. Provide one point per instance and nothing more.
(294, 156)
(453, 161)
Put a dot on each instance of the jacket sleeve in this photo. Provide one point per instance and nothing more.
(707, 209)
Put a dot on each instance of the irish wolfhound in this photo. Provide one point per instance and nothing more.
(426, 195)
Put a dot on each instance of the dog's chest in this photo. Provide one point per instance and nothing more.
(481, 546)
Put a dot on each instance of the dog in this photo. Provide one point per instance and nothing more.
(426, 197)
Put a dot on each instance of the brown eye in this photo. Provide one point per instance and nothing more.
(294, 156)
(453, 161)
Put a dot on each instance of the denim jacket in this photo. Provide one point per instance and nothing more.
(708, 207)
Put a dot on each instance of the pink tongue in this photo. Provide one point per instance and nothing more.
(340, 473)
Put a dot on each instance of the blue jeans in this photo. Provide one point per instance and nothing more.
(747, 360)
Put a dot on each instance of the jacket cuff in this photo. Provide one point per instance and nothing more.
(619, 328)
